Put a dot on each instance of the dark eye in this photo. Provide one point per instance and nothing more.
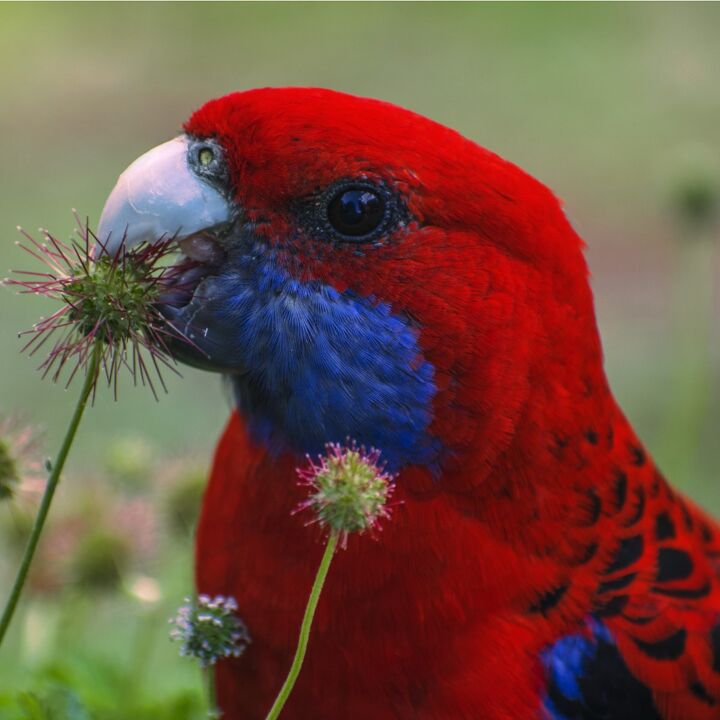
(356, 212)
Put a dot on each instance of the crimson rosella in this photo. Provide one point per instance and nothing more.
(358, 271)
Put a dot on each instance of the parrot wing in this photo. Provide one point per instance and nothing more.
(651, 648)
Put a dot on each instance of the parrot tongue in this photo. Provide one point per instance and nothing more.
(201, 257)
(202, 248)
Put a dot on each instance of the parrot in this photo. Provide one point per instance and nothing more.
(356, 270)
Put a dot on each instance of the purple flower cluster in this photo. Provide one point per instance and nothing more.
(209, 629)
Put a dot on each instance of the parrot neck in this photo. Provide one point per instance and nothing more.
(566, 467)
(551, 437)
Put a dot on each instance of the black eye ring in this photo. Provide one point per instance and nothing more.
(206, 158)
(357, 211)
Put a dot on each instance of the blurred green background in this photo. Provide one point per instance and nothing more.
(614, 106)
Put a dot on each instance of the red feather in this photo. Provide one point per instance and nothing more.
(547, 507)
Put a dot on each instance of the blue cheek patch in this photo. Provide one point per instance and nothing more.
(319, 365)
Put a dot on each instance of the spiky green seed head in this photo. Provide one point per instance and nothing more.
(112, 302)
(349, 489)
(112, 297)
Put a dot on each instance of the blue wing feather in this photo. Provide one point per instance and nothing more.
(587, 679)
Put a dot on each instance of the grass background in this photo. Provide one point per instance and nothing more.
(614, 106)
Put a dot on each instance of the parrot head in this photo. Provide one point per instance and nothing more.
(358, 270)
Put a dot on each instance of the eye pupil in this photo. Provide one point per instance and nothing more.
(206, 156)
(356, 212)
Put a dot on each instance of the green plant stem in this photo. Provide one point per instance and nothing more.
(214, 711)
(141, 650)
(307, 620)
(52, 483)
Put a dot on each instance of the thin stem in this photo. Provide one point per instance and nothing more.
(213, 709)
(307, 620)
(52, 483)
(141, 651)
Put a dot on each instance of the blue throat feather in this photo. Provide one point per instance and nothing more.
(316, 365)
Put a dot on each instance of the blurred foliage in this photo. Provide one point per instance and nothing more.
(698, 200)
(91, 638)
(183, 504)
(696, 193)
(100, 561)
(129, 462)
(600, 101)
(8, 471)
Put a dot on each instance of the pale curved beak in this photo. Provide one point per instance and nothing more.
(160, 197)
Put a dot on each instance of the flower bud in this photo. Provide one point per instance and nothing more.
(209, 629)
(349, 489)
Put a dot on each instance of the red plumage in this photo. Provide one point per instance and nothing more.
(547, 508)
